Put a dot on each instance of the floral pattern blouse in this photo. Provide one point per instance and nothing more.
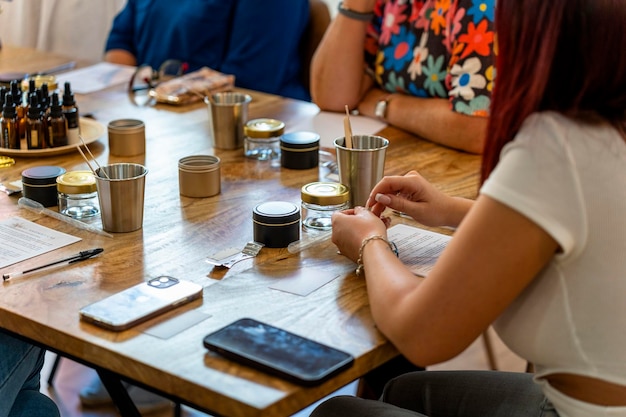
(435, 48)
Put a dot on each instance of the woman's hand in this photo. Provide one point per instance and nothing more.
(413, 195)
(351, 227)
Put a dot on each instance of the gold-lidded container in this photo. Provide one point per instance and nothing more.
(262, 139)
(40, 79)
(78, 194)
(319, 201)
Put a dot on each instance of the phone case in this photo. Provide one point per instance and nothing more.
(277, 351)
(141, 302)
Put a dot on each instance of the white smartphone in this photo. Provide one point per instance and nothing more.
(141, 302)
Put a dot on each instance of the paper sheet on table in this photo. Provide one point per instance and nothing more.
(418, 249)
(177, 324)
(96, 77)
(22, 239)
(303, 281)
(329, 126)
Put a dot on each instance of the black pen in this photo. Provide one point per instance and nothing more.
(82, 256)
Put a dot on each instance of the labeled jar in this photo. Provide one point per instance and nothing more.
(40, 184)
(276, 223)
(77, 194)
(319, 201)
(262, 139)
(299, 150)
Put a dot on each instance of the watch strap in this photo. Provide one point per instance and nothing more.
(353, 14)
(380, 111)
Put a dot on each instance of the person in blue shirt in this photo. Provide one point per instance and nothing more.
(257, 41)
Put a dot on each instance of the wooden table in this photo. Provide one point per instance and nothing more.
(178, 234)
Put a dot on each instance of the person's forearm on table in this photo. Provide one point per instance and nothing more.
(429, 118)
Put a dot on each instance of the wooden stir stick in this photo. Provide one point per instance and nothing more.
(347, 129)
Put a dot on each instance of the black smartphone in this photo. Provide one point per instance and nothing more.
(141, 302)
(278, 352)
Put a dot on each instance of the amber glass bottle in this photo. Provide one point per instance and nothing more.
(9, 125)
(35, 125)
(57, 125)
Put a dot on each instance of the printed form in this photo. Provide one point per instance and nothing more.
(418, 249)
(22, 239)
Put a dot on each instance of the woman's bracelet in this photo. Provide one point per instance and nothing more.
(359, 262)
(353, 14)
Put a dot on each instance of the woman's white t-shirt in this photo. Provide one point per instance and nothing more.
(569, 178)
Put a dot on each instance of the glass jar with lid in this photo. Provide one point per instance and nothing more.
(262, 139)
(77, 194)
(319, 201)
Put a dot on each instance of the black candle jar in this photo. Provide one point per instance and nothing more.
(299, 150)
(40, 184)
(276, 223)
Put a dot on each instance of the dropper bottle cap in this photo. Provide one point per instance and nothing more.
(32, 87)
(34, 109)
(68, 97)
(8, 111)
(45, 96)
(56, 110)
(15, 90)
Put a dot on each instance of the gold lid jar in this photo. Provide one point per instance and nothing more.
(262, 139)
(320, 200)
(39, 81)
(264, 128)
(76, 182)
(77, 194)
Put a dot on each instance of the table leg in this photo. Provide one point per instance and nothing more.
(118, 393)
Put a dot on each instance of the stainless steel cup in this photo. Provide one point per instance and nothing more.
(361, 166)
(228, 112)
(199, 176)
(121, 193)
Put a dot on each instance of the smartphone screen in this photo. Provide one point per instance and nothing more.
(278, 352)
(139, 303)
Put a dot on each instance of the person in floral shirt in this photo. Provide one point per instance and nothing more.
(426, 66)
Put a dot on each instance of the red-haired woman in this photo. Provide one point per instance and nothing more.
(540, 253)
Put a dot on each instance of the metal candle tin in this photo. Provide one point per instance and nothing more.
(276, 223)
(127, 137)
(40, 184)
(299, 150)
(199, 176)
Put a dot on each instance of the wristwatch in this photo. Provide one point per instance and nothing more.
(380, 111)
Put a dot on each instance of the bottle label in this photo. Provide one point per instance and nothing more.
(72, 136)
(72, 120)
(34, 139)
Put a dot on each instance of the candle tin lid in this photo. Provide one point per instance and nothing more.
(276, 213)
(325, 193)
(303, 141)
(42, 175)
(264, 128)
(76, 182)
